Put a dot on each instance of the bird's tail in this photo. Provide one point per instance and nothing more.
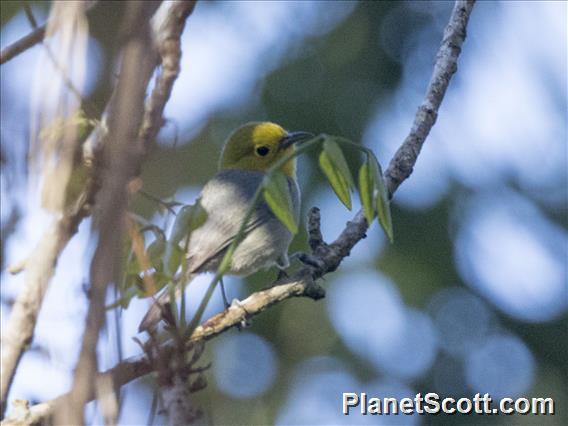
(160, 309)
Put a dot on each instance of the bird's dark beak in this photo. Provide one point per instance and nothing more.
(294, 137)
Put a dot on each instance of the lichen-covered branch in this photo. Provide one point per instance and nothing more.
(403, 161)
(168, 35)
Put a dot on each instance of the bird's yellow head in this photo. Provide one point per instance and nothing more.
(258, 145)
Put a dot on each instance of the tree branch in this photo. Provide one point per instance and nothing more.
(122, 156)
(302, 283)
(19, 331)
(23, 44)
(403, 161)
(29, 40)
(168, 36)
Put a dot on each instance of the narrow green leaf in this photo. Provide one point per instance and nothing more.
(156, 230)
(124, 300)
(155, 253)
(336, 156)
(133, 267)
(276, 192)
(135, 281)
(199, 216)
(173, 257)
(189, 218)
(160, 280)
(367, 188)
(142, 289)
(336, 179)
(382, 200)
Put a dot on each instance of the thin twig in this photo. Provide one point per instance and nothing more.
(29, 40)
(90, 108)
(23, 44)
(302, 284)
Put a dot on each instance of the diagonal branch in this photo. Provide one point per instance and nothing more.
(29, 40)
(302, 284)
(23, 44)
(445, 67)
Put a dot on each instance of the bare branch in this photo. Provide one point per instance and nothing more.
(18, 334)
(29, 40)
(403, 161)
(23, 44)
(302, 283)
(169, 46)
(125, 372)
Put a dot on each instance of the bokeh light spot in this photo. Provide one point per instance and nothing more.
(244, 365)
(502, 367)
(369, 315)
(462, 319)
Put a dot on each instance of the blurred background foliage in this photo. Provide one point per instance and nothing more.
(471, 297)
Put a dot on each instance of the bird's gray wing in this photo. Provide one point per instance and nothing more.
(226, 198)
(226, 204)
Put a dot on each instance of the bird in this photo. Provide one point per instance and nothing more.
(247, 154)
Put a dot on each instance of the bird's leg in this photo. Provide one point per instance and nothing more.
(246, 322)
(225, 301)
(282, 274)
(313, 262)
(308, 259)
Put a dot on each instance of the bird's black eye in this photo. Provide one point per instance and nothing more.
(262, 150)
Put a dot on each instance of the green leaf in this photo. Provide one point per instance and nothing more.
(156, 230)
(124, 301)
(276, 192)
(172, 258)
(367, 189)
(333, 164)
(335, 154)
(133, 267)
(188, 219)
(160, 280)
(382, 200)
(143, 291)
(76, 184)
(155, 253)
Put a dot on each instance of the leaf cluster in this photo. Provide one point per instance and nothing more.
(372, 191)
